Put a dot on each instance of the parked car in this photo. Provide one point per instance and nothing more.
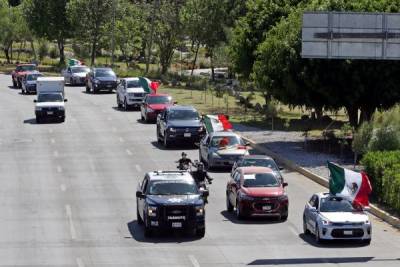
(179, 123)
(101, 79)
(19, 72)
(75, 75)
(257, 191)
(130, 93)
(258, 161)
(222, 149)
(29, 82)
(170, 200)
(154, 104)
(330, 217)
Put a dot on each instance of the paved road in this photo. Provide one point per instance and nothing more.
(67, 198)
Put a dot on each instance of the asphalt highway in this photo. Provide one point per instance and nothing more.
(67, 198)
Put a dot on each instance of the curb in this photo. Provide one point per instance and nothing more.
(374, 210)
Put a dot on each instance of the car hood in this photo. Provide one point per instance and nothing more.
(184, 123)
(106, 79)
(263, 191)
(50, 104)
(135, 90)
(80, 75)
(342, 217)
(175, 199)
(158, 106)
(234, 151)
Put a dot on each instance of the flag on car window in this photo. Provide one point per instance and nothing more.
(217, 123)
(350, 184)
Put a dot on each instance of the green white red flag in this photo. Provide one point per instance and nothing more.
(217, 123)
(350, 184)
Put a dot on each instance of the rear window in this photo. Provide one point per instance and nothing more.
(105, 73)
(33, 77)
(133, 84)
(269, 163)
(260, 180)
(159, 99)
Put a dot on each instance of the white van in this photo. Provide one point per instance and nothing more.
(50, 98)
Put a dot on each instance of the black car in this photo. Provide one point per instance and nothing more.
(101, 79)
(179, 123)
(170, 200)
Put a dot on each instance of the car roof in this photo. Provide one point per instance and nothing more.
(179, 107)
(102, 69)
(130, 79)
(170, 175)
(223, 133)
(257, 157)
(254, 169)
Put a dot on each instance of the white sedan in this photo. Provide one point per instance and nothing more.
(330, 217)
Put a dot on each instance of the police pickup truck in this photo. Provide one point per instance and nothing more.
(170, 200)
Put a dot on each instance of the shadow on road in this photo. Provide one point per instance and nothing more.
(331, 243)
(231, 216)
(176, 146)
(123, 110)
(48, 121)
(14, 88)
(137, 233)
(98, 93)
(314, 261)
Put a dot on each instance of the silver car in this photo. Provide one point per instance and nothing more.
(330, 217)
(75, 74)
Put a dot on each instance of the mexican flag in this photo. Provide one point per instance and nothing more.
(217, 123)
(350, 184)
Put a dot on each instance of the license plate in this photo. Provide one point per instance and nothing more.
(50, 112)
(348, 232)
(187, 135)
(176, 225)
(267, 207)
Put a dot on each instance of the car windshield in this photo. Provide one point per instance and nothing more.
(133, 84)
(159, 100)
(335, 205)
(33, 77)
(80, 70)
(260, 180)
(55, 97)
(269, 163)
(27, 68)
(183, 115)
(224, 141)
(105, 73)
(172, 188)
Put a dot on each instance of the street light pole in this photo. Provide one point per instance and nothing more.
(113, 32)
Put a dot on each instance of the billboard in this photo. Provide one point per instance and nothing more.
(350, 35)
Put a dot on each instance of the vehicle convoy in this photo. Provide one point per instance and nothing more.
(154, 104)
(75, 75)
(258, 161)
(179, 123)
(29, 82)
(130, 93)
(101, 79)
(19, 72)
(170, 200)
(257, 191)
(222, 149)
(331, 217)
(50, 98)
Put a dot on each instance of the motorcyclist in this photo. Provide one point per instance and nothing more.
(184, 162)
(200, 175)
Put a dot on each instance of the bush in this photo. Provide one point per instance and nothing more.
(361, 138)
(43, 50)
(53, 53)
(391, 187)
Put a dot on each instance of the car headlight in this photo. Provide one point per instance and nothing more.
(243, 196)
(201, 129)
(150, 109)
(283, 198)
(326, 222)
(96, 81)
(200, 211)
(60, 108)
(172, 130)
(152, 211)
(38, 108)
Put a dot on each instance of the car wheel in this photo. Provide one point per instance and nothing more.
(367, 241)
(317, 237)
(229, 206)
(139, 219)
(147, 231)
(125, 105)
(166, 142)
(14, 83)
(22, 91)
(87, 89)
(38, 120)
(71, 82)
(118, 103)
(142, 117)
(305, 229)
(201, 232)
(239, 215)
(158, 135)
(284, 217)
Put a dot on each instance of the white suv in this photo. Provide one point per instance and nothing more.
(129, 93)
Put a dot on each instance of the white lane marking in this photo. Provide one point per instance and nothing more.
(138, 168)
(52, 141)
(55, 153)
(121, 139)
(294, 230)
(63, 187)
(194, 261)
(129, 152)
(59, 169)
(72, 230)
(80, 263)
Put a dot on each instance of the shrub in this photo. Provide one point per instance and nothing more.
(53, 53)
(43, 50)
(391, 187)
(361, 138)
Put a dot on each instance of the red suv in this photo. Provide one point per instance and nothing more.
(154, 104)
(20, 71)
(257, 191)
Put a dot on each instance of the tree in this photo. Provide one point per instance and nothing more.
(89, 19)
(48, 19)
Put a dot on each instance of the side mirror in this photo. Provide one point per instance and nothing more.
(175, 102)
(35, 101)
(139, 194)
(65, 100)
(205, 193)
(285, 184)
(313, 209)
(280, 168)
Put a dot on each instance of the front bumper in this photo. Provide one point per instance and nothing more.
(30, 88)
(134, 101)
(347, 232)
(78, 80)
(184, 137)
(50, 113)
(152, 116)
(105, 86)
(264, 207)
